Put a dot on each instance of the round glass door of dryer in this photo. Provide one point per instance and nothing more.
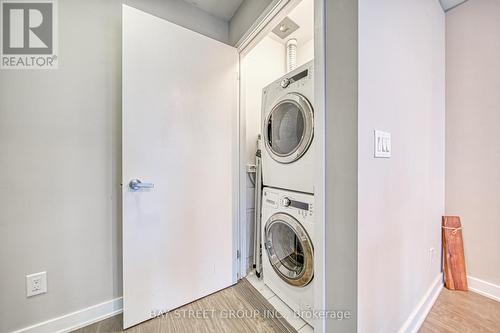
(289, 127)
(289, 249)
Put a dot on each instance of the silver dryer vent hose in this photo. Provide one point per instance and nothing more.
(291, 54)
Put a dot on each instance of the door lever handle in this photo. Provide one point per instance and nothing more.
(136, 185)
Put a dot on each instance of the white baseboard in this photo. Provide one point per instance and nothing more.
(418, 315)
(484, 288)
(77, 319)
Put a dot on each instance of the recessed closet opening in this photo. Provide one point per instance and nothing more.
(277, 158)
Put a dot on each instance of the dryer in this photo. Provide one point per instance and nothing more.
(288, 131)
(288, 249)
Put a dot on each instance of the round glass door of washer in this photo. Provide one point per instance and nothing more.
(289, 127)
(289, 249)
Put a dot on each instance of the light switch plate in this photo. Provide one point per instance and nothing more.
(36, 284)
(382, 144)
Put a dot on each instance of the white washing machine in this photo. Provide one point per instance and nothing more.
(288, 251)
(288, 131)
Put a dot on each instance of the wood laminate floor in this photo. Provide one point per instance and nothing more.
(258, 316)
(453, 312)
(462, 312)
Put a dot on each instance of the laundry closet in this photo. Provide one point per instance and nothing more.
(277, 119)
(195, 178)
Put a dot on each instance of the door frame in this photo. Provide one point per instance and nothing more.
(272, 15)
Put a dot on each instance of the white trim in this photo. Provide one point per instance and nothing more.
(78, 319)
(484, 288)
(238, 215)
(418, 315)
(242, 174)
(273, 14)
(258, 26)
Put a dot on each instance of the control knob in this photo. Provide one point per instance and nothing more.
(285, 83)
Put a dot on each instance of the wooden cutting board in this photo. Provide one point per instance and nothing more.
(454, 258)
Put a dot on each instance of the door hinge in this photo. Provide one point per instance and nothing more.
(238, 255)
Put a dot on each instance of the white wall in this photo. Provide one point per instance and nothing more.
(305, 52)
(60, 144)
(472, 133)
(261, 66)
(401, 200)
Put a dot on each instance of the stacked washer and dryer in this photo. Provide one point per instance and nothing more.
(288, 192)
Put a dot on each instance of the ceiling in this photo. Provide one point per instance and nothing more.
(449, 4)
(223, 9)
(303, 15)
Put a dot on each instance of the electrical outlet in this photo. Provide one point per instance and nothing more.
(432, 255)
(36, 284)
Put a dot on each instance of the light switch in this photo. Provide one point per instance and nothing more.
(382, 144)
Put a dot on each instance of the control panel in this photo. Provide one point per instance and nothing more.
(301, 207)
(293, 204)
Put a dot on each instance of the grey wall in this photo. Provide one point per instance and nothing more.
(472, 132)
(246, 15)
(60, 144)
(337, 50)
(401, 200)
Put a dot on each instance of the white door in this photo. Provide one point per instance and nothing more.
(180, 141)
